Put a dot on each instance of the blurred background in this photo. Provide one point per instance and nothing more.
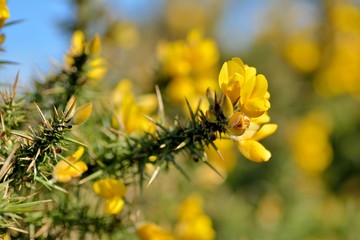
(308, 50)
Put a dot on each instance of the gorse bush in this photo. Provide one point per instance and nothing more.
(64, 151)
(144, 128)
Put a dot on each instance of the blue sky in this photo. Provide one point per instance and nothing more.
(37, 41)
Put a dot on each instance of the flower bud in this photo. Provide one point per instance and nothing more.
(95, 45)
(238, 123)
(227, 106)
(82, 114)
(70, 108)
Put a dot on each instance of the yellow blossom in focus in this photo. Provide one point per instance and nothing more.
(193, 223)
(113, 191)
(4, 13)
(248, 143)
(150, 231)
(130, 111)
(64, 171)
(242, 104)
(243, 86)
(310, 143)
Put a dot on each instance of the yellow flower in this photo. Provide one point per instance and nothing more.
(310, 143)
(193, 223)
(196, 55)
(77, 43)
(248, 143)
(191, 66)
(340, 72)
(94, 46)
(97, 68)
(64, 171)
(4, 12)
(243, 86)
(302, 53)
(130, 111)
(150, 231)
(113, 191)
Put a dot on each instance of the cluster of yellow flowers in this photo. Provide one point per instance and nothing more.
(336, 63)
(96, 66)
(243, 104)
(341, 73)
(4, 15)
(191, 65)
(130, 111)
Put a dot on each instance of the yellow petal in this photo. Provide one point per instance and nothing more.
(60, 172)
(82, 114)
(109, 188)
(254, 151)
(4, 13)
(95, 45)
(234, 92)
(256, 107)
(247, 90)
(260, 87)
(230, 69)
(77, 43)
(236, 66)
(77, 169)
(79, 152)
(97, 73)
(97, 68)
(250, 72)
(122, 90)
(224, 75)
(264, 131)
(64, 172)
(264, 118)
(150, 231)
(114, 205)
(147, 103)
